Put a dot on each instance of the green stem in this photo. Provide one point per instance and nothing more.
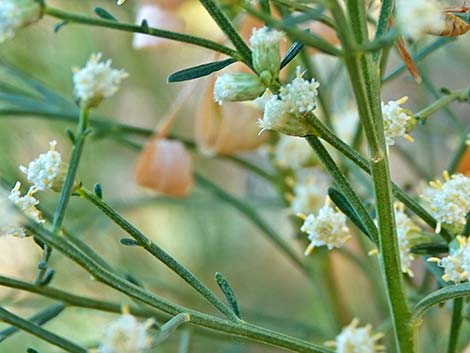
(159, 253)
(457, 95)
(382, 25)
(455, 325)
(239, 329)
(228, 28)
(74, 18)
(38, 331)
(365, 82)
(67, 189)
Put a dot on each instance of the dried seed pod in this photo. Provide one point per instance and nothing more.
(160, 18)
(165, 167)
(226, 129)
(454, 26)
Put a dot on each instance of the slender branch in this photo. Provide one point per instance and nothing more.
(159, 253)
(40, 332)
(457, 95)
(455, 325)
(201, 42)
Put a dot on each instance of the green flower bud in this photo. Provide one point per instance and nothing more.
(238, 86)
(16, 14)
(265, 48)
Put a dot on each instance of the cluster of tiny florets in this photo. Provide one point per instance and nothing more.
(309, 193)
(457, 264)
(96, 81)
(406, 229)
(355, 339)
(292, 152)
(15, 14)
(396, 120)
(448, 201)
(300, 94)
(416, 18)
(327, 228)
(126, 335)
(265, 37)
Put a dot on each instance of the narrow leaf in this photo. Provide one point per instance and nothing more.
(199, 71)
(294, 49)
(440, 296)
(128, 242)
(228, 293)
(58, 26)
(342, 203)
(430, 248)
(145, 25)
(170, 326)
(98, 190)
(100, 12)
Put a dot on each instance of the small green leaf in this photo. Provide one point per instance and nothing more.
(58, 26)
(100, 12)
(47, 277)
(145, 25)
(128, 242)
(294, 49)
(440, 296)
(98, 190)
(31, 350)
(169, 327)
(70, 135)
(199, 71)
(431, 249)
(342, 203)
(228, 293)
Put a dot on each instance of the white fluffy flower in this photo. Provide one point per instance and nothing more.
(15, 14)
(396, 120)
(448, 201)
(26, 203)
(237, 86)
(126, 335)
(457, 264)
(327, 228)
(300, 94)
(309, 193)
(354, 339)
(406, 228)
(265, 37)
(45, 169)
(96, 81)
(416, 18)
(10, 219)
(292, 152)
(265, 48)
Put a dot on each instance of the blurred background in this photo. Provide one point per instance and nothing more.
(203, 233)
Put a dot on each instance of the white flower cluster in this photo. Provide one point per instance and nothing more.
(417, 18)
(448, 201)
(327, 228)
(266, 54)
(396, 120)
(237, 86)
(406, 229)
(457, 264)
(126, 335)
(10, 219)
(300, 95)
(15, 14)
(265, 37)
(292, 152)
(355, 339)
(96, 81)
(309, 192)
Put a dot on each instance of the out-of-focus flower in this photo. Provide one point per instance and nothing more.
(448, 201)
(397, 121)
(417, 18)
(165, 167)
(46, 172)
(10, 219)
(457, 264)
(292, 152)
(168, 4)
(354, 339)
(406, 230)
(160, 18)
(265, 44)
(16, 14)
(300, 95)
(226, 129)
(126, 335)
(237, 86)
(309, 192)
(328, 228)
(96, 81)
(26, 203)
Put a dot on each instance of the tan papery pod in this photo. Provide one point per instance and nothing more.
(226, 129)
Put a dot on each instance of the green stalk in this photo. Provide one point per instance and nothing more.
(365, 82)
(455, 325)
(67, 189)
(456, 95)
(159, 253)
(99, 22)
(386, 11)
(238, 329)
(38, 331)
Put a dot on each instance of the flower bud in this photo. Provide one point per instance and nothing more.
(237, 86)
(266, 52)
(16, 14)
(277, 117)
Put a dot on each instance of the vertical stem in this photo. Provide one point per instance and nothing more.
(365, 80)
(67, 189)
(455, 325)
